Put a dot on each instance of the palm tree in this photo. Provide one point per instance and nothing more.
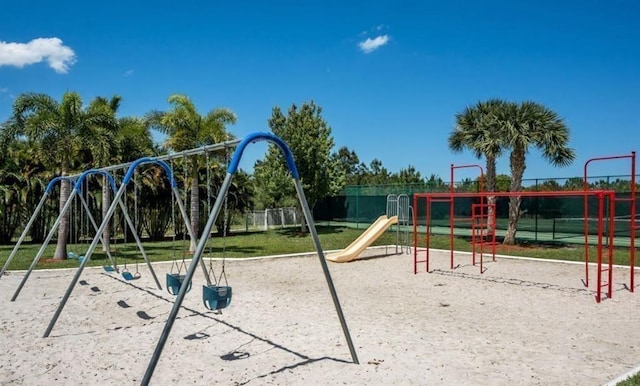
(478, 129)
(134, 141)
(527, 125)
(126, 141)
(102, 151)
(63, 131)
(239, 196)
(187, 129)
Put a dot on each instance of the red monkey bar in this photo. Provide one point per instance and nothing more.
(632, 220)
(599, 194)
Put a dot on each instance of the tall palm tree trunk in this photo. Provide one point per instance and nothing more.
(194, 210)
(63, 228)
(491, 187)
(517, 160)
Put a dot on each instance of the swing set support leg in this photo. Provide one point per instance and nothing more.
(203, 266)
(85, 261)
(46, 194)
(24, 233)
(325, 269)
(52, 231)
(196, 259)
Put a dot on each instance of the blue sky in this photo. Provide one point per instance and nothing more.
(389, 75)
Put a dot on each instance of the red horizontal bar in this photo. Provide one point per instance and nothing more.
(577, 193)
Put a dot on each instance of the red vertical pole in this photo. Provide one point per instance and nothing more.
(473, 234)
(586, 228)
(481, 255)
(483, 233)
(428, 223)
(485, 227)
(493, 236)
(451, 213)
(612, 208)
(599, 267)
(632, 250)
(415, 234)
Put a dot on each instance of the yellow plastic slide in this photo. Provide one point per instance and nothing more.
(364, 240)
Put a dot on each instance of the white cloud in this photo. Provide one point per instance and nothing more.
(128, 72)
(58, 56)
(370, 45)
(4, 90)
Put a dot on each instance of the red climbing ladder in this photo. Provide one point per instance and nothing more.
(605, 274)
(483, 231)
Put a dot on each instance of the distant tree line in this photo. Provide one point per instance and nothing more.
(44, 138)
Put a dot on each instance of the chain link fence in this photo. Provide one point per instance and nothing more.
(272, 218)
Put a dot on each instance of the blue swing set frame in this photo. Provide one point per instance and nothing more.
(219, 295)
(197, 257)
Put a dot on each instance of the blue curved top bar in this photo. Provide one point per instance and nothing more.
(258, 136)
(89, 172)
(149, 160)
(54, 181)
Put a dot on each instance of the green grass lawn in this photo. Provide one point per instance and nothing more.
(237, 245)
(276, 242)
(631, 381)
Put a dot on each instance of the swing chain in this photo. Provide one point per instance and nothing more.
(208, 210)
(135, 211)
(185, 169)
(224, 226)
(124, 232)
(173, 227)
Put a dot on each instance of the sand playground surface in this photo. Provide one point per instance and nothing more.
(522, 322)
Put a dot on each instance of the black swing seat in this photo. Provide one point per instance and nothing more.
(174, 282)
(216, 297)
(126, 275)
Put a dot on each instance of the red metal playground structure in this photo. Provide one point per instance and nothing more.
(484, 225)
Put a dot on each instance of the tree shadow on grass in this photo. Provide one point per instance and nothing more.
(286, 231)
(322, 230)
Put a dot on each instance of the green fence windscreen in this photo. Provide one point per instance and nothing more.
(552, 217)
